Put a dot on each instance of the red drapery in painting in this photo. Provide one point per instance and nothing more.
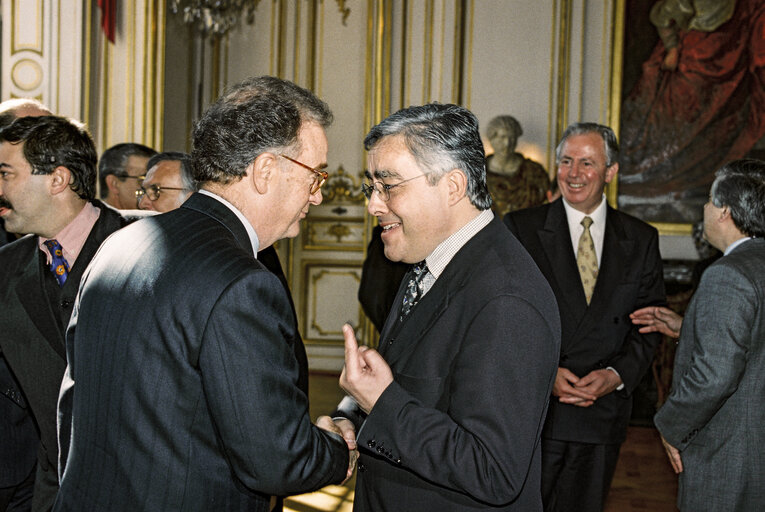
(679, 126)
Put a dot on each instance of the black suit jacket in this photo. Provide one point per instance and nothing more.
(473, 363)
(181, 391)
(601, 334)
(32, 328)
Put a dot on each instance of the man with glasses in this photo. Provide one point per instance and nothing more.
(121, 169)
(47, 189)
(168, 183)
(449, 412)
(183, 383)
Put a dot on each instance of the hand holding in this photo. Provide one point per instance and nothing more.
(344, 428)
(365, 374)
(658, 319)
(674, 456)
(564, 388)
(599, 382)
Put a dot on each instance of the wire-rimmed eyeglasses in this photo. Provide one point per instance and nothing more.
(320, 174)
(383, 189)
(153, 191)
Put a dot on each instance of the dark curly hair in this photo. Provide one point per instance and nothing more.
(52, 141)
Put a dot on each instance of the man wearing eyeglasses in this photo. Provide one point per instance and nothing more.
(182, 387)
(448, 414)
(169, 182)
(121, 170)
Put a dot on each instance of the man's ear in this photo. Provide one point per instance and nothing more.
(60, 179)
(611, 172)
(457, 183)
(111, 184)
(262, 171)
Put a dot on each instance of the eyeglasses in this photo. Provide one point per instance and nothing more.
(321, 175)
(383, 189)
(153, 191)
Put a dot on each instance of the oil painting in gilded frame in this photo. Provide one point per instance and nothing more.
(680, 118)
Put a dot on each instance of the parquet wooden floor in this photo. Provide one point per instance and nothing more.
(644, 480)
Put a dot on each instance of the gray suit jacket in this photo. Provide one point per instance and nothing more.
(181, 391)
(715, 414)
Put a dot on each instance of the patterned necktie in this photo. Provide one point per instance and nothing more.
(414, 288)
(587, 260)
(58, 264)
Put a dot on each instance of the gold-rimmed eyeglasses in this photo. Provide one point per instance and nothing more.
(383, 189)
(153, 191)
(320, 174)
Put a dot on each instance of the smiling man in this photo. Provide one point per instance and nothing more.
(182, 386)
(602, 265)
(449, 412)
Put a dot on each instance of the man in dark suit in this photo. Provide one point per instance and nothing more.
(181, 387)
(602, 265)
(713, 422)
(19, 438)
(449, 413)
(47, 185)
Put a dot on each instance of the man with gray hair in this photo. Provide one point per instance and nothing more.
(121, 169)
(602, 264)
(190, 399)
(713, 422)
(449, 413)
(169, 182)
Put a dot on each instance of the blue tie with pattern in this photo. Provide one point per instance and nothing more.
(58, 264)
(414, 288)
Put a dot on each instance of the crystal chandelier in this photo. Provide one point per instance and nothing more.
(214, 16)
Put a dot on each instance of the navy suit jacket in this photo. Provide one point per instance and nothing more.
(473, 364)
(598, 335)
(181, 390)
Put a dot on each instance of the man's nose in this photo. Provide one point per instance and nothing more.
(144, 203)
(316, 198)
(376, 205)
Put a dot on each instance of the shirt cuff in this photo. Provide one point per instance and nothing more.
(621, 386)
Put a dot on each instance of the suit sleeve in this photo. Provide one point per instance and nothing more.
(638, 349)
(483, 443)
(249, 376)
(724, 306)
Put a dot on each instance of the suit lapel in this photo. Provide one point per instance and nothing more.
(29, 290)
(556, 242)
(617, 248)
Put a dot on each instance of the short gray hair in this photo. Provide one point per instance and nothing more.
(740, 185)
(606, 133)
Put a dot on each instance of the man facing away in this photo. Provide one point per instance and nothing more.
(181, 387)
(449, 413)
(47, 186)
(168, 183)
(713, 422)
(121, 170)
(602, 265)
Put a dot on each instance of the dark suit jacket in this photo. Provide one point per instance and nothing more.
(18, 435)
(33, 332)
(181, 391)
(601, 334)
(473, 363)
(715, 413)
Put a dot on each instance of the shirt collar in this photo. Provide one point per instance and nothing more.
(72, 238)
(443, 254)
(736, 244)
(575, 217)
(247, 226)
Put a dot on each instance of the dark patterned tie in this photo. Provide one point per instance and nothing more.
(414, 288)
(58, 264)
(587, 260)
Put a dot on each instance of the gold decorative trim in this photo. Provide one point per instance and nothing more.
(427, 44)
(296, 45)
(551, 98)
(26, 66)
(272, 40)
(87, 78)
(325, 267)
(311, 46)
(342, 188)
(161, 10)
(667, 228)
(37, 46)
(337, 227)
(614, 113)
(282, 52)
(469, 92)
(406, 54)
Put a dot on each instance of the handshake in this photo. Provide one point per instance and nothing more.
(347, 431)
